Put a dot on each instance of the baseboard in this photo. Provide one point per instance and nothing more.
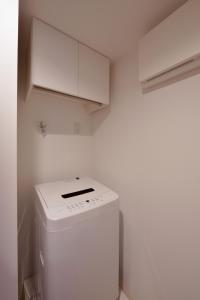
(123, 296)
(30, 290)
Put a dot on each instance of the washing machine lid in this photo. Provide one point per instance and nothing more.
(64, 199)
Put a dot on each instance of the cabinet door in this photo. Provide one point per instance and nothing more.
(93, 82)
(54, 59)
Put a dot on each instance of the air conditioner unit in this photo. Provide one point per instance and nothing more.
(171, 51)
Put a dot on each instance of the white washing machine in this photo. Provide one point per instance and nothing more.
(78, 240)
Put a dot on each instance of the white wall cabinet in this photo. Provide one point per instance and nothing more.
(60, 64)
(93, 72)
(54, 59)
(173, 43)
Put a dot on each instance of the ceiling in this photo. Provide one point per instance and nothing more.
(112, 27)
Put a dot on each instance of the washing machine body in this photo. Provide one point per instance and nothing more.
(78, 240)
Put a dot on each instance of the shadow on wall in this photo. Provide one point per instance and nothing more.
(61, 116)
(98, 118)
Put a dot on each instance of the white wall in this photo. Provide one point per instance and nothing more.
(148, 150)
(8, 149)
(65, 152)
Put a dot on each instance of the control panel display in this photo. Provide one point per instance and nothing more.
(77, 193)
